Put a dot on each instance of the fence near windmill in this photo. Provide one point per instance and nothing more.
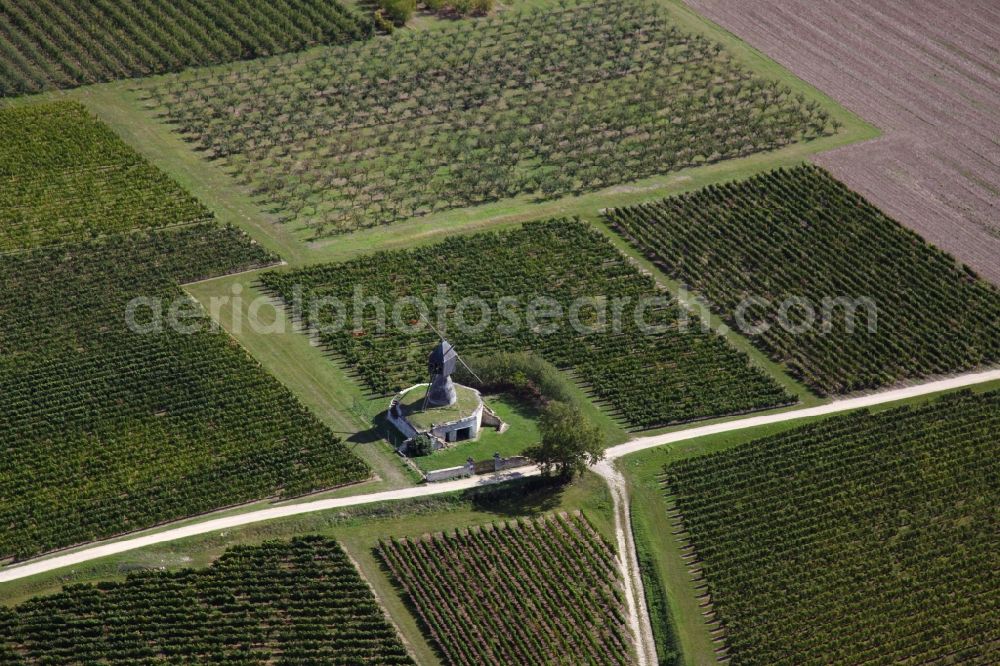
(491, 466)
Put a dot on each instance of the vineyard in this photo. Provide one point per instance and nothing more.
(104, 430)
(543, 591)
(66, 176)
(861, 539)
(799, 233)
(298, 602)
(669, 373)
(538, 102)
(64, 43)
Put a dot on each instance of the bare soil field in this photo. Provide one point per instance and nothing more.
(927, 72)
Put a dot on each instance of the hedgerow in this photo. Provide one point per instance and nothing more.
(523, 374)
(543, 591)
(799, 234)
(859, 539)
(46, 44)
(104, 430)
(453, 8)
(66, 176)
(298, 602)
(667, 373)
(541, 102)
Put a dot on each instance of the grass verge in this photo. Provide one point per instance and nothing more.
(320, 383)
(657, 603)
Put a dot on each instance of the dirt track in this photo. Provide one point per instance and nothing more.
(628, 560)
(927, 72)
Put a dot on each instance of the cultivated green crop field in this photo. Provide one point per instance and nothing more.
(535, 591)
(302, 601)
(64, 44)
(673, 372)
(566, 164)
(854, 539)
(800, 235)
(105, 430)
(66, 176)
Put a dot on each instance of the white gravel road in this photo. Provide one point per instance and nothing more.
(125, 544)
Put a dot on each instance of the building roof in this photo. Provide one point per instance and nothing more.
(442, 359)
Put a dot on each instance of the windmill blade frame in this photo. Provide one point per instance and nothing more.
(457, 355)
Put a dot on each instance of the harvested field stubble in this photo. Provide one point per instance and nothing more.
(924, 72)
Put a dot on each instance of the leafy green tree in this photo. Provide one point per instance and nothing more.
(570, 442)
(421, 445)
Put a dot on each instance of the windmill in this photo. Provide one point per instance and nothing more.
(439, 427)
(440, 365)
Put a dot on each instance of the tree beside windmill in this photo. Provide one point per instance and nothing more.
(441, 411)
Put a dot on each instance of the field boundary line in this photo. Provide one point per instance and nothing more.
(277, 264)
(99, 550)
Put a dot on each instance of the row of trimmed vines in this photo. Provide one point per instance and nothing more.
(666, 372)
(104, 430)
(296, 602)
(65, 176)
(46, 44)
(542, 102)
(862, 539)
(541, 591)
(799, 235)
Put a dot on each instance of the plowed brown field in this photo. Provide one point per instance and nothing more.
(927, 72)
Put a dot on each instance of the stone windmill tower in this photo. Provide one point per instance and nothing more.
(441, 410)
(441, 365)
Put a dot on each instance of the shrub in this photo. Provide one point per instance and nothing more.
(523, 373)
(421, 445)
(662, 374)
(460, 7)
(398, 11)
